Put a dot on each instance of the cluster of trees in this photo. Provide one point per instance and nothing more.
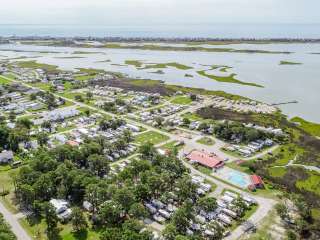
(10, 138)
(5, 231)
(115, 123)
(233, 130)
(113, 106)
(300, 224)
(77, 174)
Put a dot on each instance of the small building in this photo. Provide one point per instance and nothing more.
(205, 159)
(6, 157)
(256, 182)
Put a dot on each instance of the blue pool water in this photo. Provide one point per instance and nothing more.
(238, 179)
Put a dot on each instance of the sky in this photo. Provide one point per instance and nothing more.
(153, 12)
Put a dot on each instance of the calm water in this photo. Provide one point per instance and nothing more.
(281, 82)
(203, 30)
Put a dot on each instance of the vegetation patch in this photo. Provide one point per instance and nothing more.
(309, 127)
(206, 141)
(182, 100)
(150, 137)
(36, 65)
(229, 79)
(153, 47)
(135, 63)
(311, 183)
(165, 65)
(277, 171)
(289, 63)
(4, 81)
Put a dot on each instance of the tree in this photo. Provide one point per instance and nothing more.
(98, 165)
(26, 194)
(47, 125)
(50, 218)
(187, 189)
(170, 232)
(137, 210)
(240, 206)
(217, 230)
(89, 96)
(125, 197)
(78, 219)
(12, 116)
(111, 213)
(25, 122)
(181, 218)
(78, 98)
(282, 211)
(186, 121)
(87, 112)
(208, 204)
(33, 96)
(42, 138)
(111, 234)
(159, 120)
(193, 97)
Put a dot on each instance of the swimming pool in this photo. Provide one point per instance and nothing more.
(239, 179)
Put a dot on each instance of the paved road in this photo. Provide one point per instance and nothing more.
(12, 220)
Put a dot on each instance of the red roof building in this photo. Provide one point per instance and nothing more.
(256, 181)
(205, 159)
(72, 143)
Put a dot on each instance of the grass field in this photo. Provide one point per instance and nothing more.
(311, 183)
(6, 184)
(182, 100)
(151, 137)
(37, 230)
(286, 153)
(309, 127)
(277, 171)
(4, 81)
(206, 141)
(170, 146)
(228, 79)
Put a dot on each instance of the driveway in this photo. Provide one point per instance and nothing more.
(12, 220)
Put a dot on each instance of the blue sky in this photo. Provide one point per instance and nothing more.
(152, 12)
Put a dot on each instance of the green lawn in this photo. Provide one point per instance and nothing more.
(6, 184)
(85, 77)
(309, 127)
(286, 153)
(151, 137)
(43, 86)
(277, 171)
(37, 230)
(182, 100)
(170, 146)
(4, 81)
(311, 183)
(206, 141)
